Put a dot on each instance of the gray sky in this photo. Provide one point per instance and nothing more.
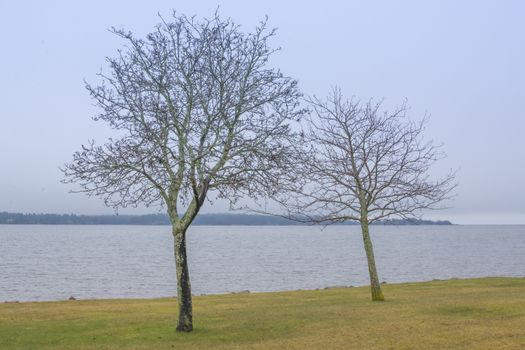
(463, 62)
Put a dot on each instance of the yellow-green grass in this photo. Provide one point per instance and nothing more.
(487, 313)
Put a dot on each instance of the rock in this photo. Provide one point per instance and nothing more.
(242, 292)
(337, 287)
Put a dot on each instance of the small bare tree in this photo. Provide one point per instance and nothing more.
(199, 111)
(362, 164)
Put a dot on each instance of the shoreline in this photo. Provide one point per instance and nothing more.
(73, 298)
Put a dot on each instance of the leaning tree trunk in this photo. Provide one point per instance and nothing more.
(185, 323)
(377, 294)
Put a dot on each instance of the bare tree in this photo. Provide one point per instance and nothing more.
(362, 164)
(199, 111)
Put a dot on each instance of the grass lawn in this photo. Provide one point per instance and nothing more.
(487, 313)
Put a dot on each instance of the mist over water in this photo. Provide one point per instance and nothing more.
(40, 262)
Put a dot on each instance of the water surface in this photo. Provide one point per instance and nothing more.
(47, 262)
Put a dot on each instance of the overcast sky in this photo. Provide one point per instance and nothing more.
(463, 62)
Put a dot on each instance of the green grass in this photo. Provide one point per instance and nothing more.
(487, 313)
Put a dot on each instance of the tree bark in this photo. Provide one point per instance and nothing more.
(377, 294)
(185, 322)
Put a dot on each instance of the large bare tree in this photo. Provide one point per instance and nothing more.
(197, 109)
(362, 164)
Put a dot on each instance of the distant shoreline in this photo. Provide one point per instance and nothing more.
(218, 219)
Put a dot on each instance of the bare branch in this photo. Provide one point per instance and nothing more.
(199, 111)
(361, 163)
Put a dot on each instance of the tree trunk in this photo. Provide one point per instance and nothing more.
(185, 323)
(377, 294)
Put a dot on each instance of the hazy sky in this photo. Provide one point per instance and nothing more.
(463, 62)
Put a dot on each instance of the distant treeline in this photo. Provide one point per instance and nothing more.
(162, 219)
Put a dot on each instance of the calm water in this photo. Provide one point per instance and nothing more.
(56, 262)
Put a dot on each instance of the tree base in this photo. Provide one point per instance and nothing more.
(184, 328)
(377, 295)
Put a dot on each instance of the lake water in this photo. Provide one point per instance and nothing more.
(40, 262)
